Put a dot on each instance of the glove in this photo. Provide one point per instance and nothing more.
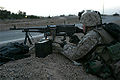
(74, 39)
(63, 44)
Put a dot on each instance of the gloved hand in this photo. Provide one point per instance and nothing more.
(63, 43)
(74, 39)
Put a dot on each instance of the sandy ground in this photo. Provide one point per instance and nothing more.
(53, 67)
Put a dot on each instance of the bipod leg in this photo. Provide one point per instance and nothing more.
(25, 41)
(29, 40)
(27, 37)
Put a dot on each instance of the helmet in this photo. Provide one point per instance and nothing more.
(90, 18)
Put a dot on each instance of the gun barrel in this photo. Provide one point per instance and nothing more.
(17, 28)
(69, 29)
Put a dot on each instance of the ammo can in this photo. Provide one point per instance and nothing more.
(43, 48)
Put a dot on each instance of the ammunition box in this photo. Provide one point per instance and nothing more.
(43, 48)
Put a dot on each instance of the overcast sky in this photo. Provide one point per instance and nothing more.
(59, 7)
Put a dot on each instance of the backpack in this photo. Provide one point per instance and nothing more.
(13, 51)
(113, 29)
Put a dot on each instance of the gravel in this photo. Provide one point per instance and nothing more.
(53, 67)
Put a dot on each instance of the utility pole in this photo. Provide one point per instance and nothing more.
(103, 6)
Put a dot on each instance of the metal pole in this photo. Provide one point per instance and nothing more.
(103, 6)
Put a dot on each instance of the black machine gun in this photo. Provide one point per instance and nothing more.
(51, 30)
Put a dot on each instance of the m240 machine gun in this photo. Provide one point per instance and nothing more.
(51, 30)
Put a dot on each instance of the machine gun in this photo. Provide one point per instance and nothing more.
(51, 30)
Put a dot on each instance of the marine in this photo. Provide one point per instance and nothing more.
(91, 21)
(85, 51)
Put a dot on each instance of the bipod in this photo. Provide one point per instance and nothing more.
(27, 37)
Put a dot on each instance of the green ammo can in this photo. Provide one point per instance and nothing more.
(43, 48)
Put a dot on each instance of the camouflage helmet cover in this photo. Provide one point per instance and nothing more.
(90, 19)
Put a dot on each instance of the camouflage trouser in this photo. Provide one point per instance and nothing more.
(103, 64)
(96, 66)
(116, 70)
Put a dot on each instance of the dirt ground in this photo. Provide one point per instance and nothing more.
(53, 67)
(6, 24)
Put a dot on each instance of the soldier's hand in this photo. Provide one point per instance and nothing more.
(63, 43)
(74, 39)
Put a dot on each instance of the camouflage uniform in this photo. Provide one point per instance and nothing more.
(97, 63)
(90, 40)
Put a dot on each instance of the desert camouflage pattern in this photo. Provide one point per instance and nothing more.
(90, 19)
(90, 40)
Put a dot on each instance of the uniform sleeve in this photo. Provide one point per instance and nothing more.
(84, 46)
